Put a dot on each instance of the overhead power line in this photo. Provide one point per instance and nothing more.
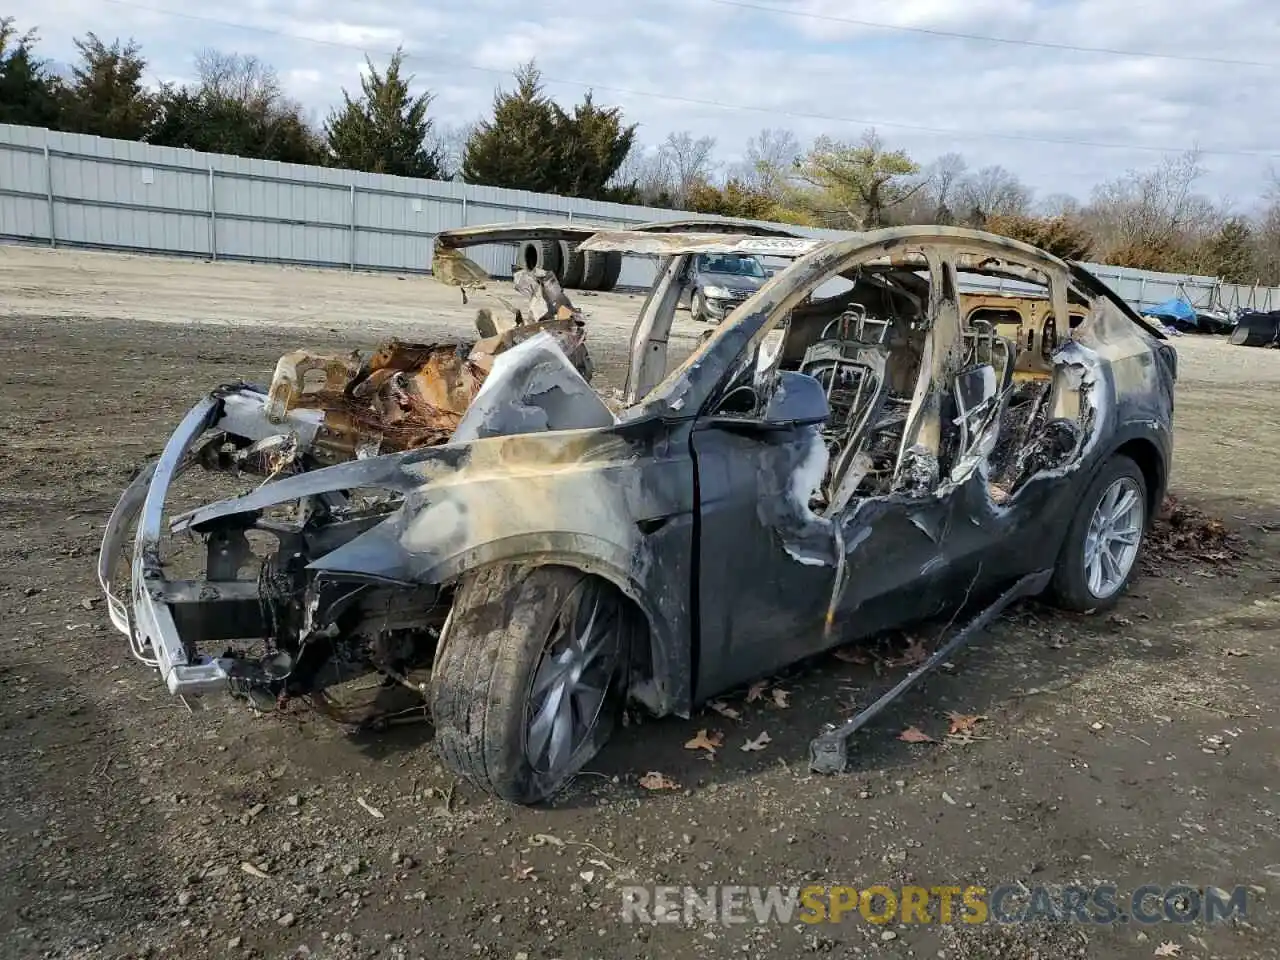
(435, 61)
(987, 38)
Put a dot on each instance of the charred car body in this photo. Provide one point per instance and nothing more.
(819, 469)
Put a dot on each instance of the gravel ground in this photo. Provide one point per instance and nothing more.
(1130, 749)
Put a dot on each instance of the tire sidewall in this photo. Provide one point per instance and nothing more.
(511, 654)
(1070, 586)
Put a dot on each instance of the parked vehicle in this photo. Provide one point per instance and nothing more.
(715, 283)
(479, 530)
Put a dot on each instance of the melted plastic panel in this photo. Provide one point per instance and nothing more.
(532, 387)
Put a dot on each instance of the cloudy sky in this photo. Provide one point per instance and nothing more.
(1061, 118)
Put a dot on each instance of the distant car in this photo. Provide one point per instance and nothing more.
(715, 283)
(477, 529)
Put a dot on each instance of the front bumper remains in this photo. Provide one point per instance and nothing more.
(155, 605)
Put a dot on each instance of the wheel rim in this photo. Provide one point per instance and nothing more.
(1115, 531)
(571, 681)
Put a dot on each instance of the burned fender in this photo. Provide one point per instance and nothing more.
(608, 501)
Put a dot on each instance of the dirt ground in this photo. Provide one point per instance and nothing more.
(1127, 749)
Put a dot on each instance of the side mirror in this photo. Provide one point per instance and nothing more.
(798, 400)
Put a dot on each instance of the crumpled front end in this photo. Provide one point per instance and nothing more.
(241, 620)
(255, 616)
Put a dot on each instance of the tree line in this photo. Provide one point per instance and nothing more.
(1153, 218)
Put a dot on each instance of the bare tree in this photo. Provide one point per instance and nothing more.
(1059, 205)
(690, 161)
(1154, 218)
(769, 159)
(945, 175)
(449, 142)
(647, 170)
(992, 191)
(239, 77)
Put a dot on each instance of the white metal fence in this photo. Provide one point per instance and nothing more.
(73, 190)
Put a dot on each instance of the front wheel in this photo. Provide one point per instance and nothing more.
(1100, 553)
(698, 306)
(529, 681)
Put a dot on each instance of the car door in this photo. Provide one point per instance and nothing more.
(770, 571)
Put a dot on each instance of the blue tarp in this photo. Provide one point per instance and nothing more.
(1176, 310)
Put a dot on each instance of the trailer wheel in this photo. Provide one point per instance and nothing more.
(575, 265)
(540, 255)
(593, 271)
(612, 270)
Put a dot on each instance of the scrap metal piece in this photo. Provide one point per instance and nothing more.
(828, 752)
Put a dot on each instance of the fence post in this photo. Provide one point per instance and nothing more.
(353, 228)
(464, 209)
(213, 218)
(48, 188)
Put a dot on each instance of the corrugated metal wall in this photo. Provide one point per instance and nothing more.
(75, 190)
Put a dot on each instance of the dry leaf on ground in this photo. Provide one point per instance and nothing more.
(963, 722)
(914, 654)
(759, 743)
(653, 780)
(781, 698)
(756, 691)
(722, 708)
(848, 655)
(706, 741)
(1168, 949)
(915, 735)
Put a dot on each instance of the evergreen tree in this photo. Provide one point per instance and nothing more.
(1229, 253)
(530, 143)
(595, 145)
(201, 120)
(28, 94)
(386, 130)
(107, 97)
(517, 148)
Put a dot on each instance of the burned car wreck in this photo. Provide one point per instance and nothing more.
(479, 532)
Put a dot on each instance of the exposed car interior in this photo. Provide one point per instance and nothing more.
(915, 403)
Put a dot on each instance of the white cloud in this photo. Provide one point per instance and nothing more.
(988, 94)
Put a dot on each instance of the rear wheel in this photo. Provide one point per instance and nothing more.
(529, 681)
(1100, 553)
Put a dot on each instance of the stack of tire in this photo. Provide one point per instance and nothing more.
(574, 270)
